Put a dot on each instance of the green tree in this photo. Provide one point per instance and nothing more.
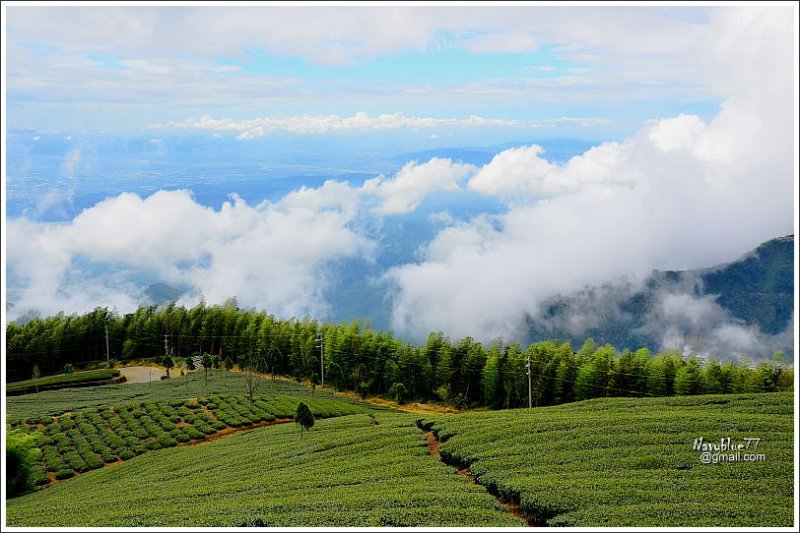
(398, 392)
(584, 382)
(687, 380)
(208, 362)
(712, 377)
(251, 365)
(69, 368)
(304, 417)
(19, 461)
(168, 363)
(36, 374)
(491, 378)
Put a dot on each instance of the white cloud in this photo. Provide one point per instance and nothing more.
(521, 174)
(270, 255)
(518, 171)
(311, 124)
(679, 133)
(169, 58)
(353, 34)
(404, 192)
(680, 194)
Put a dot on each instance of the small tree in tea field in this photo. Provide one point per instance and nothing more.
(304, 417)
(208, 362)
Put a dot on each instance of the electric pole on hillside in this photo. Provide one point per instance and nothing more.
(321, 347)
(108, 352)
(528, 372)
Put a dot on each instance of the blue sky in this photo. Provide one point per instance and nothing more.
(67, 69)
(452, 166)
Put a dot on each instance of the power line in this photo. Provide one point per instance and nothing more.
(528, 372)
(321, 346)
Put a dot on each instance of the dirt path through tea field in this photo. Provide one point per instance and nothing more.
(513, 508)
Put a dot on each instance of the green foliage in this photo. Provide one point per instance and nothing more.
(687, 380)
(368, 362)
(398, 393)
(630, 462)
(69, 368)
(757, 288)
(168, 364)
(128, 348)
(62, 380)
(352, 473)
(304, 417)
(92, 437)
(55, 402)
(20, 460)
(208, 362)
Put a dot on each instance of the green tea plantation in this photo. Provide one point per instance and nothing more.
(356, 470)
(195, 452)
(633, 461)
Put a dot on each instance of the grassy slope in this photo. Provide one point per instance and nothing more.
(63, 379)
(85, 441)
(192, 386)
(629, 462)
(345, 472)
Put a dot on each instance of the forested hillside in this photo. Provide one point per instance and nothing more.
(463, 372)
(758, 288)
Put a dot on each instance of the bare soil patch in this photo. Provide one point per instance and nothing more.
(145, 374)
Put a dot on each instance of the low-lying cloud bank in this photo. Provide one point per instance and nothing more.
(669, 315)
(275, 256)
(311, 124)
(247, 129)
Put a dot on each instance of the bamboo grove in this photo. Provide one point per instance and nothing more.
(462, 372)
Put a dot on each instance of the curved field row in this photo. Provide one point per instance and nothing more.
(195, 384)
(89, 378)
(633, 462)
(356, 470)
(72, 444)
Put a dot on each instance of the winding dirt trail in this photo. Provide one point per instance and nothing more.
(513, 508)
(433, 444)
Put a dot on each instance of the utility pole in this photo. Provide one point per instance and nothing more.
(166, 345)
(108, 352)
(321, 347)
(528, 372)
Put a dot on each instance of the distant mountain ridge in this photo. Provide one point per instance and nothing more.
(742, 306)
(759, 287)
